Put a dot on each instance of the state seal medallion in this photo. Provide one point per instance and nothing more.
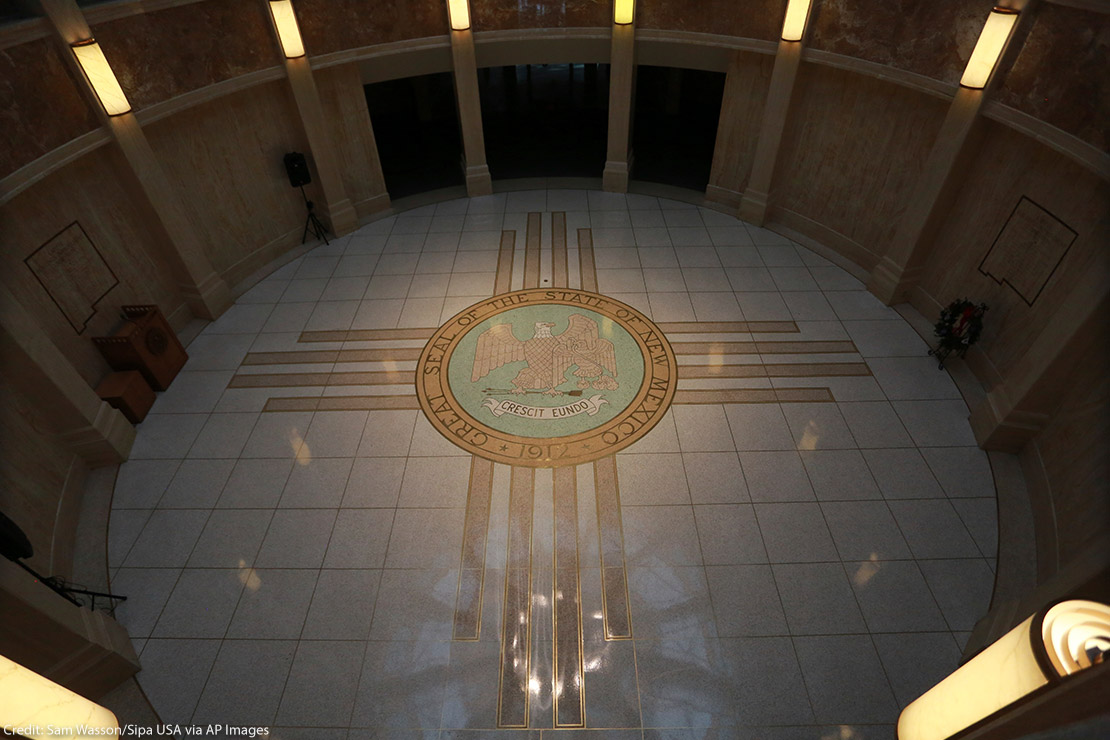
(546, 377)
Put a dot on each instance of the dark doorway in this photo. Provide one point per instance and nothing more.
(675, 125)
(545, 120)
(416, 125)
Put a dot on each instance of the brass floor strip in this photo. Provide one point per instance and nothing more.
(364, 335)
(754, 395)
(472, 568)
(503, 282)
(568, 690)
(532, 251)
(764, 348)
(516, 620)
(614, 579)
(559, 250)
(799, 370)
(306, 357)
(342, 403)
(587, 268)
(299, 380)
(727, 327)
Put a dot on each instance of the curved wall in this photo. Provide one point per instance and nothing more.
(214, 100)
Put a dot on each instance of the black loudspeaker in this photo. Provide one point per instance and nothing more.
(297, 169)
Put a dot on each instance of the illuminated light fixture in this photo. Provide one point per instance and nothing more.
(32, 706)
(1052, 644)
(459, 13)
(797, 13)
(100, 76)
(623, 11)
(285, 20)
(989, 47)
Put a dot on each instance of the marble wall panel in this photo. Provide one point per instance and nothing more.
(746, 84)
(852, 150)
(334, 25)
(33, 472)
(162, 54)
(758, 19)
(1006, 167)
(94, 191)
(41, 103)
(1060, 74)
(350, 131)
(225, 159)
(498, 15)
(1073, 450)
(934, 39)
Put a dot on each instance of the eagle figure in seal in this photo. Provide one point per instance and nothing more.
(548, 357)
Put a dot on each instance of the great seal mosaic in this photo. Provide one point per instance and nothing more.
(546, 377)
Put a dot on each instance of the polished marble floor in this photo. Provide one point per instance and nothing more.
(796, 550)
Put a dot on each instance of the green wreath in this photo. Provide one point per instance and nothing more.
(959, 327)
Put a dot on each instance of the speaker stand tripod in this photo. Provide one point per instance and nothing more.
(313, 223)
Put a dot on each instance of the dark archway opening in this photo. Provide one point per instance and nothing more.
(545, 120)
(674, 127)
(416, 125)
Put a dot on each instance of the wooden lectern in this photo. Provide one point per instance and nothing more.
(145, 343)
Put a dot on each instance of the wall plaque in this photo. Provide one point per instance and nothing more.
(73, 273)
(1030, 247)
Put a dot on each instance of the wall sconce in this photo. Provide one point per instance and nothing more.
(32, 705)
(286, 23)
(623, 11)
(989, 47)
(797, 13)
(1052, 644)
(101, 78)
(458, 11)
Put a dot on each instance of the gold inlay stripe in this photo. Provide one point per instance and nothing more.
(532, 251)
(728, 327)
(341, 403)
(306, 357)
(587, 268)
(559, 250)
(299, 380)
(503, 281)
(516, 622)
(762, 348)
(364, 335)
(472, 568)
(567, 689)
(614, 578)
(754, 395)
(799, 370)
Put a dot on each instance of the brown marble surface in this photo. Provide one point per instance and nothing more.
(756, 19)
(496, 15)
(159, 55)
(41, 105)
(1060, 75)
(334, 25)
(934, 39)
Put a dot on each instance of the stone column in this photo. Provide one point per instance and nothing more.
(622, 75)
(901, 267)
(93, 430)
(754, 202)
(204, 290)
(1017, 409)
(470, 113)
(340, 211)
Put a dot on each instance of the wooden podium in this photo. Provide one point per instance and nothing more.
(145, 343)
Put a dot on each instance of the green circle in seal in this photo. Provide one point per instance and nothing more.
(546, 377)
